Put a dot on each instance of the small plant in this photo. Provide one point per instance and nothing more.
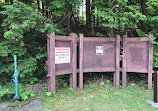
(102, 84)
(141, 83)
(107, 81)
(65, 85)
(120, 81)
(33, 80)
(48, 94)
(71, 89)
(133, 84)
(57, 84)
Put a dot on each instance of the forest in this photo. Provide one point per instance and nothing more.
(24, 25)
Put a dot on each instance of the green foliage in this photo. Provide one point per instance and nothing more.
(102, 84)
(71, 89)
(107, 81)
(33, 80)
(60, 6)
(65, 85)
(48, 94)
(133, 84)
(141, 82)
(155, 55)
(151, 22)
(141, 33)
(24, 35)
(8, 91)
(119, 14)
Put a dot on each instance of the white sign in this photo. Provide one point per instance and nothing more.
(62, 55)
(99, 50)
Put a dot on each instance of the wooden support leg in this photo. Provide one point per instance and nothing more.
(156, 87)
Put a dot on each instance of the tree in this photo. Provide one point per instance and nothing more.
(118, 14)
(23, 36)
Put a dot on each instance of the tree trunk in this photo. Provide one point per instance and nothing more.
(143, 12)
(11, 2)
(43, 7)
(6, 1)
(88, 15)
(38, 4)
(47, 12)
(92, 19)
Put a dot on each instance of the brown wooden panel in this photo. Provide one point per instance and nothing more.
(137, 55)
(99, 69)
(63, 71)
(105, 60)
(99, 39)
(63, 38)
(64, 66)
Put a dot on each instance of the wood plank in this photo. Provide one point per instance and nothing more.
(81, 62)
(64, 71)
(98, 39)
(124, 62)
(100, 69)
(156, 87)
(139, 39)
(63, 38)
(117, 73)
(52, 62)
(150, 62)
(74, 61)
(48, 64)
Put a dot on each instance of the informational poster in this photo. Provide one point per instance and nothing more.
(99, 50)
(62, 55)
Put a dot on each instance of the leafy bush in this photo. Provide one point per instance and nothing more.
(8, 91)
(24, 36)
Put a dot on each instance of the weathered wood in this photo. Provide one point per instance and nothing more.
(63, 38)
(108, 61)
(137, 57)
(48, 64)
(98, 39)
(81, 62)
(65, 68)
(139, 39)
(52, 62)
(150, 62)
(74, 61)
(156, 87)
(124, 62)
(117, 72)
(99, 69)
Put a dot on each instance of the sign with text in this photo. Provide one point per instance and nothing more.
(99, 50)
(62, 55)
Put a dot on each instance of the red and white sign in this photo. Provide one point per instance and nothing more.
(62, 55)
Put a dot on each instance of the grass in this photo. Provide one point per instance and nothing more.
(99, 98)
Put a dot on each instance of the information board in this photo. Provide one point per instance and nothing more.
(99, 50)
(62, 55)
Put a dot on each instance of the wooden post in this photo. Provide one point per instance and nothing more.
(150, 61)
(117, 72)
(74, 61)
(48, 63)
(52, 61)
(124, 62)
(81, 62)
(156, 87)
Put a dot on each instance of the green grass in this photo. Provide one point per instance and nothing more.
(99, 98)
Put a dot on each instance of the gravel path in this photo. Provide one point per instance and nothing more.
(33, 105)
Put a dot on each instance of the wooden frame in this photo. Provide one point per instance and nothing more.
(109, 43)
(137, 57)
(156, 87)
(144, 62)
(60, 69)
